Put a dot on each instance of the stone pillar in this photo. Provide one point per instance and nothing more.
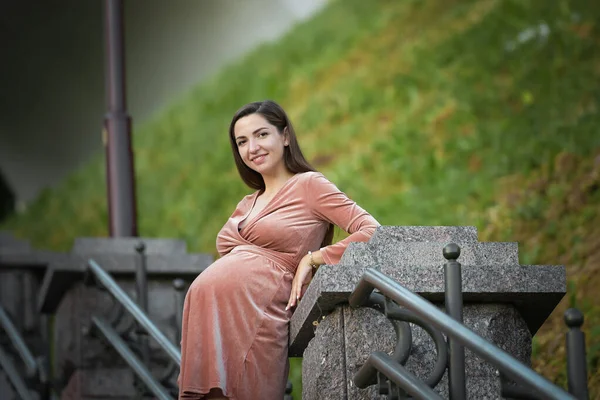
(21, 272)
(504, 302)
(87, 366)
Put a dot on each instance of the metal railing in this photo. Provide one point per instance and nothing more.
(138, 358)
(35, 370)
(396, 381)
(139, 311)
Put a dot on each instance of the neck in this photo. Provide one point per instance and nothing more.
(274, 183)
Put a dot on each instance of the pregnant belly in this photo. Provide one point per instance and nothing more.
(244, 278)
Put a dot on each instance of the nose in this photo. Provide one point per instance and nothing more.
(253, 146)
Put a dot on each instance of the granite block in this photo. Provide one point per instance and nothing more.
(357, 254)
(497, 254)
(73, 317)
(323, 365)
(6, 388)
(113, 382)
(11, 294)
(7, 391)
(390, 235)
(533, 290)
(29, 259)
(322, 296)
(486, 388)
(158, 264)
(100, 383)
(9, 242)
(127, 245)
(367, 330)
(431, 255)
(62, 275)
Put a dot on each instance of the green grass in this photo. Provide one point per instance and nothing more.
(419, 110)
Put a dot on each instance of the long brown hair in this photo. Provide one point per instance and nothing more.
(294, 160)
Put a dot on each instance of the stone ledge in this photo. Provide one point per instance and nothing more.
(533, 290)
(60, 276)
(126, 245)
(460, 235)
(8, 241)
(28, 258)
(424, 245)
(431, 254)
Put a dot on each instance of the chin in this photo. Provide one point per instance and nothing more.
(260, 169)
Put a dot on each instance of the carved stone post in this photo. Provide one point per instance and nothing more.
(504, 302)
(21, 272)
(87, 365)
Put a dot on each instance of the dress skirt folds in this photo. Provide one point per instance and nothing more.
(235, 325)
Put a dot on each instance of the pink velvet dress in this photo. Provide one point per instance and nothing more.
(235, 325)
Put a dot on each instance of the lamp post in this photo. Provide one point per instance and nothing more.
(117, 129)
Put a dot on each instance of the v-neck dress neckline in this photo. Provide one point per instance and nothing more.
(256, 194)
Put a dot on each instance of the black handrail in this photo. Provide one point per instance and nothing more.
(138, 367)
(111, 285)
(31, 367)
(13, 376)
(404, 338)
(515, 369)
(379, 361)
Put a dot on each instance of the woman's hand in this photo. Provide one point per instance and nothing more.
(302, 278)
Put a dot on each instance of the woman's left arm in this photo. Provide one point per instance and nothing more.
(330, 204)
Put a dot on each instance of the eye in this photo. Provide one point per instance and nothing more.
(241, 142)
(263, 134)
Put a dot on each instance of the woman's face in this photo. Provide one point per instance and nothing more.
(260, 144)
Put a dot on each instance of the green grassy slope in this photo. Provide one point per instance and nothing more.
(425, 112)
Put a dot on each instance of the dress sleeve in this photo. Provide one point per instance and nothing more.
(329, 204)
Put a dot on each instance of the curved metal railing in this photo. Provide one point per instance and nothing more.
(530, 385)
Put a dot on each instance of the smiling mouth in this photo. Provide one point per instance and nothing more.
(258, 158)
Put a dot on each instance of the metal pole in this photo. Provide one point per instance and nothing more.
(117, 130)
(576, 359)
(454, 308)
(141, 281)
(179, 285)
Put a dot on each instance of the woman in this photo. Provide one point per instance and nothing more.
(236, 313)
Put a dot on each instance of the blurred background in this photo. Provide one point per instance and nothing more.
(52, 76)
(425, 112)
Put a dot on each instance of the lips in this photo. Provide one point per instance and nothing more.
(258, 159)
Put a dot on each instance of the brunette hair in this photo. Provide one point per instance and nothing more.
(294, 160)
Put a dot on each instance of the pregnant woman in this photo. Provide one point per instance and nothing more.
(236, 313)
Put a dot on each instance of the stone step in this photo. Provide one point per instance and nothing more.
(430, 254)
(8, 241)
(127, 246)
(386, 235)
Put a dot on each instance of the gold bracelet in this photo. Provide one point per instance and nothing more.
(311, 262)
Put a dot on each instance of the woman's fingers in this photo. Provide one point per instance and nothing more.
(293, 296)
(296, 293)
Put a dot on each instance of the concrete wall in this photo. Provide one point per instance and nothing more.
(52, 73)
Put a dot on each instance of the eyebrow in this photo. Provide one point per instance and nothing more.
(242, 136)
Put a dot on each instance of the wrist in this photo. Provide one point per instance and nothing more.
(315, 260)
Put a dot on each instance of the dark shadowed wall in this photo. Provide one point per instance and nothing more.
(52, 70)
